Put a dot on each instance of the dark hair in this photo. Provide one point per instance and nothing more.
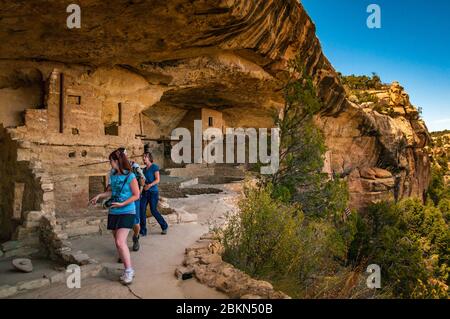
(149, 156)
(119, 156)
(121, 149)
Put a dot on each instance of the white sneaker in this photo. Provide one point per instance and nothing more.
(127, 277)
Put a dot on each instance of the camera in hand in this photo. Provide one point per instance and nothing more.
(109, 202)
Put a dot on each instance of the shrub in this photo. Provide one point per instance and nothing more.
(273, 240)
(438, 190)
(362, 82)
(366, 97)
(410, 243)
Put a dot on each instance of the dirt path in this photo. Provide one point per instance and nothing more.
(157, 260)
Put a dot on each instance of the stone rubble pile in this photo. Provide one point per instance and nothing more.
(204, 261)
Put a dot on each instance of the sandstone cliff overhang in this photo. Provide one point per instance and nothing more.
(158, 60)
(241, 42)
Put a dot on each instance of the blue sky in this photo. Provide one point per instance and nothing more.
(412, 47)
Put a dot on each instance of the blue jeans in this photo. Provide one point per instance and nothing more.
(152, 199)
(137, 215)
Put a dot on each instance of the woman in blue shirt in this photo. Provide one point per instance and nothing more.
(123, 189)
(150, 195)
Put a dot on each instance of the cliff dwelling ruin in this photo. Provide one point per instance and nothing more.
(136, 70)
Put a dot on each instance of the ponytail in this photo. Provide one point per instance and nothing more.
(122, 159)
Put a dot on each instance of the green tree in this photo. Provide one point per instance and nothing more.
(438, 190)
(302, 147)
(409, 241)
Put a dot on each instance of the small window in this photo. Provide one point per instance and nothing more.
(210, 121)
(74, 99)
(112, 129)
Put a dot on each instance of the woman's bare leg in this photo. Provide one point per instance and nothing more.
(121, 235)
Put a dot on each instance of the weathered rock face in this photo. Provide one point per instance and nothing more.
(136, 68)
(384, 154)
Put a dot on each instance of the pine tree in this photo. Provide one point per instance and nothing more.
(302, 148)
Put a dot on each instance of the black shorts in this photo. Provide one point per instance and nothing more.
(120, 221)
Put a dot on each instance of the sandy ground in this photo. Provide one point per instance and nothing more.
(157, 259)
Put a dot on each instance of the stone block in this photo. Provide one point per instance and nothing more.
(62, 236)
(189, 182)
(48, 196)
(11, 245)
(47, 187)
(198, 248)
(74, 224)
(34, 216)
(31, 224)
(207, 236)
(15, 135)
(184, 273)
(189, 261)
(32, 241)
(216, 248)
(48, 207)
(80, 258)
(25, 144)
(250, 296)
(7, 291)
(23, 155)
(56, 276)
(22, 233)
(19, 189)
(21, 252)
(210, 259)
(57, 228)
(94, 222)
(33, 284)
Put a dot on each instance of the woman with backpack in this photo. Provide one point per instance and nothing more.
(123, 189)
(137, 170)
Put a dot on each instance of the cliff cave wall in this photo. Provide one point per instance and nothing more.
(138, 67)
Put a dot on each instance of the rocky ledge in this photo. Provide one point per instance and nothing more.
(204, 261)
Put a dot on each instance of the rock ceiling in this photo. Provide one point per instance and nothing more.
(218, 53)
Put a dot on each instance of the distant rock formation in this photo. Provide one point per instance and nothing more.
(390, 144)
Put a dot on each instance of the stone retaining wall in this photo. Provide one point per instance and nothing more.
(204, 261)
